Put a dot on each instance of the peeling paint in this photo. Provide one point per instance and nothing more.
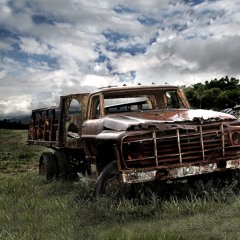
(136, 176)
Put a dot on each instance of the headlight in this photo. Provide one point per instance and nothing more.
(235, 137)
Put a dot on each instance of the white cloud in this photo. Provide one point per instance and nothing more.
(32, 46)
(5, 46)
(2, 74)
(82, 53)
(15, 105)
(99, 81)
(5, 10)
(55, 47)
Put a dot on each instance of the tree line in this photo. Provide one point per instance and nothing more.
(216, 94)
(7, 124)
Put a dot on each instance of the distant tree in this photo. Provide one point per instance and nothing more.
(228, 99)
(222, 101)
(209, 97)
(214, 94)
(195, 94)
(7, 124)
(223, 83)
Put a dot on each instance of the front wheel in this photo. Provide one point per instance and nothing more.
(109, 183)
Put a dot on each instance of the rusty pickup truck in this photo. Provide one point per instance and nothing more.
(133, 134)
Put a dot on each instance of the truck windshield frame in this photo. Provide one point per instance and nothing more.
(152, 100)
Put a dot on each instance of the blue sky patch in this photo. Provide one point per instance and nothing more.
(24, 58)
(6, 33)
(41, 19)
(149, 21)
(115, 36)
(132, 50)
(46, 19)
(193, 2)
(102, 58)
(129, 76)
(179, 27)
(122, 9)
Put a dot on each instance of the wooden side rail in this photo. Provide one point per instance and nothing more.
(43, 125)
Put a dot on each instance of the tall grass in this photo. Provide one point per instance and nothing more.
(34, 208)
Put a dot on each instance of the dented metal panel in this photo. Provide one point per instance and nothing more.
(123, 122)
(180, 151)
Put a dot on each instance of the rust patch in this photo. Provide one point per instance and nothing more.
(57, 126)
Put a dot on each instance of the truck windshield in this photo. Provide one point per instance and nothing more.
(156, 100)
(128, 103)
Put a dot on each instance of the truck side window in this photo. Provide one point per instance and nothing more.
(95, 107)
(172, 99)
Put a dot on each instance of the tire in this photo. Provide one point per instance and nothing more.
(47, 165)
(62, 163)
(109, 183)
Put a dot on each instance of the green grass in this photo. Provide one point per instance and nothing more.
(34, 208)
(15, 155)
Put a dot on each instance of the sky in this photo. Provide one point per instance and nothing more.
(50, 48)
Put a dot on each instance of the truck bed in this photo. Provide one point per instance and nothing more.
(43, 127)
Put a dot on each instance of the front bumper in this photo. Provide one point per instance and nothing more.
(137, 176)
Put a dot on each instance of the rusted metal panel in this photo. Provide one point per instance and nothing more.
(175, 146)
(137, 176)
(180, 151)
(42, 127)
(66, 119)
(47, 128)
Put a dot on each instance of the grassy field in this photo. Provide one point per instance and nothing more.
(34, 208)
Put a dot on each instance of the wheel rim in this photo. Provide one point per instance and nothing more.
(112, 187)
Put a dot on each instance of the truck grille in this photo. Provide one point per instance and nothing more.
(178, 146)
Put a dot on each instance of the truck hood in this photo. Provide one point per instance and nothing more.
(122, 122)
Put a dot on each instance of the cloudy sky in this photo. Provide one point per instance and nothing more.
(50, 48)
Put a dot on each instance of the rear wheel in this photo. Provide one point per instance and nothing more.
(47, 165)
(109, 183)
(62, 163)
